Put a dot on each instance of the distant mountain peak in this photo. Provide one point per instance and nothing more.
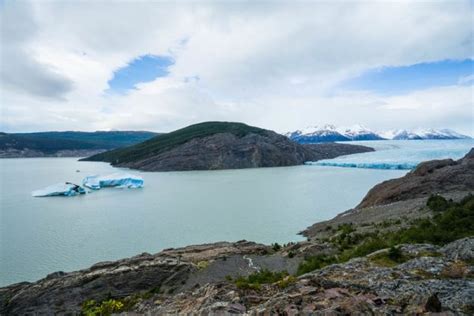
(331, 133)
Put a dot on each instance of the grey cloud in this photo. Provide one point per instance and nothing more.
(19, 68)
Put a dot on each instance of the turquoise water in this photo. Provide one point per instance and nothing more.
(42, 235)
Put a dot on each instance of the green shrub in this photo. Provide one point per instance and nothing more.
(276, 246)
(437, 203)
(452, 221)
(107, 307)
(371, 244)
(315, 262)
(395, 254)
(255, 280)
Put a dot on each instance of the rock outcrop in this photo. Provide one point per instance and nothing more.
(361, 286)
(431, 177)
(197, 280)
(168, 271)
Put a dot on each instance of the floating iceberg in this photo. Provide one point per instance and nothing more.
(60, 189)
(113, 180)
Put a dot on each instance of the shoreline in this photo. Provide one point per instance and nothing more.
(344, 253)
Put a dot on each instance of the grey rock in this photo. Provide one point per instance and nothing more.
(462, 249)
(432, 177)
(226, 150)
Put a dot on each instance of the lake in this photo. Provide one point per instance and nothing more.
(42, 235)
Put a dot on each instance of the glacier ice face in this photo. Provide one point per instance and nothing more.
(113, 180)
(60, 189)
(400, 154)
(367, 165)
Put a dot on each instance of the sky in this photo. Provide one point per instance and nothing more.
(280, 65)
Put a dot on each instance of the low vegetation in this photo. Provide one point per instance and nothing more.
(450, 221)
(254, 281)
(104, 308)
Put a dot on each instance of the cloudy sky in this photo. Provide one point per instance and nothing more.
(101, 65)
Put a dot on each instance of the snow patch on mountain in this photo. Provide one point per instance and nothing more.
(331, 133)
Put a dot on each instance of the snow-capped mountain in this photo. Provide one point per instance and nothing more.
(359, 132)
(331, 133)
(420, 133)
(317, 134)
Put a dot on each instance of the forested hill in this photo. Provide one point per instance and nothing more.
(67, 143)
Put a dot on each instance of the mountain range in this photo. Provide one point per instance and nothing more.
(331, 133)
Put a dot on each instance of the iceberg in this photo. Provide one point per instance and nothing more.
(113, 180)
(60, 189)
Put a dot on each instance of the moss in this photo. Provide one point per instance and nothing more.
(426, 275)
(456, 270)
(201, 265)
(429, 254)
(287, 281)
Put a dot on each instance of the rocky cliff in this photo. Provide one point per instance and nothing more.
(220, 145)
(429, 177)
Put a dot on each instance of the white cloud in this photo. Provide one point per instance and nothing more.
(273, 64)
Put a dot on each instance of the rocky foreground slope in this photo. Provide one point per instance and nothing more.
(413, 256)
(220, 145)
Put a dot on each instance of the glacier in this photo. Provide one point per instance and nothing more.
(60, 189)
(400, 154)
(367, 165)
(119, 180)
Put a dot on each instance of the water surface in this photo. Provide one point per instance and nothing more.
(42, 235)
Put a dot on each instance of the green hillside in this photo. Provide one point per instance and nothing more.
(168, 141)
(99, 139)
(51, 142)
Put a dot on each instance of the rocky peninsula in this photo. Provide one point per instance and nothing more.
(220, 145)
(409, 251)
